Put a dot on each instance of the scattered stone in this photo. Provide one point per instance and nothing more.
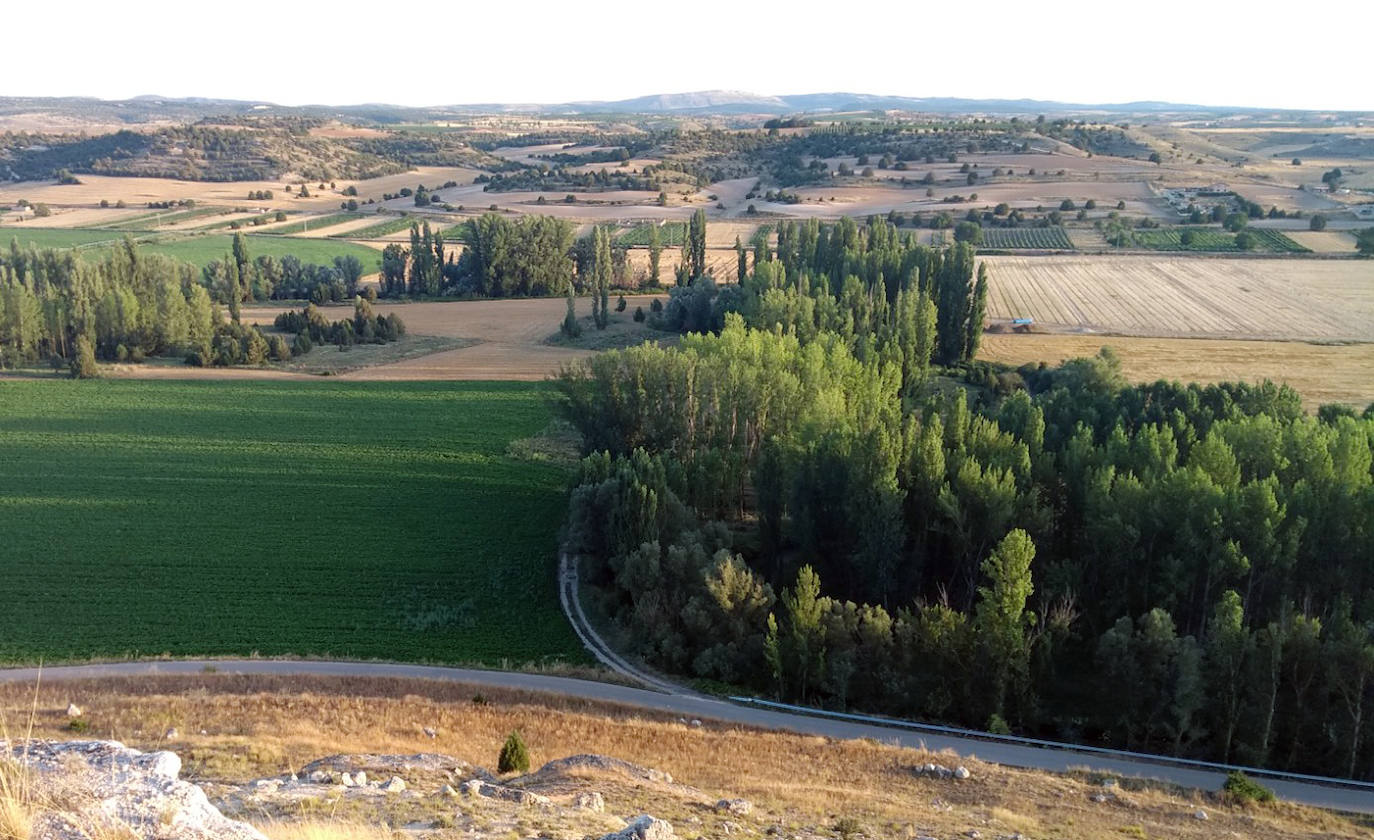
(1200, 814)
(696, 724)
(361, 778)
(590, 801)
(473, 788)
(73, 710)
(737, 807)
(318, 777)
(1109, 783)
(347, 780)
(973, 834)
(961, 772)
(430, 732)
(448, 791)
(171, 734)
(267, 785)
(1100, 797)
(938, 771)
(395, 785)
(644, 827)
(108, 790)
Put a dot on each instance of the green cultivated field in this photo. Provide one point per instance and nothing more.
(62, 237)
(1050, 238)
(314, 223)
(359, 520)
(193, 248)
(670, 235)
(390, 225)
(1211, 239)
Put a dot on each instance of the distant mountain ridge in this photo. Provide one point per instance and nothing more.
(152, 108)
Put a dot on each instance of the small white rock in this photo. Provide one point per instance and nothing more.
(360, 777)
(961, 772)
(347, 780)
(395, 785)
(448, 791)
(73, 710)
(473, 787)
(1200, 814)
(431, 732)
(590, 801)
(318, 777)
(171, 734)
(696, 724)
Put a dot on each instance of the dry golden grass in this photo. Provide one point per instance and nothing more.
(259, 726)
(321, 829)
(1321, 373)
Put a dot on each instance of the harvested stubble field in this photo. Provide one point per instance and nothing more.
(359, 520)
(237, 728)
(1321, 373)
(1266, 299)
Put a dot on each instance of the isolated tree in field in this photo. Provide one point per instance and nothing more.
(696, 245)
(601, 278)
(1317, 222)
(1364, 242)
(970, 232)
(655, 254)
(570, 328)
(514, 757)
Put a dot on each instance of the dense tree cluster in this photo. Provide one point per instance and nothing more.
(803, 506)
(126, 306)
(872, 285)
(130, 305)
(527, 257)
(311, 326)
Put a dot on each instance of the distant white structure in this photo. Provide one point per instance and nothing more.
(1364, 211)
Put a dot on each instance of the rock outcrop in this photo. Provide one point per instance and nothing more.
(86, 789)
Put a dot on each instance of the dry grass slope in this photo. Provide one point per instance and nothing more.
(240, 728)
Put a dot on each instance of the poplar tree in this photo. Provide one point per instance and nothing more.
(655, 254)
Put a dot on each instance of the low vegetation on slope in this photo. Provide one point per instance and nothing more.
(356, 520)
(725, 780)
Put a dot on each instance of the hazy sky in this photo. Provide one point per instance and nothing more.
(1214, 52)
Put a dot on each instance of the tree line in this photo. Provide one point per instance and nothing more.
(130, 305)
(804, 507)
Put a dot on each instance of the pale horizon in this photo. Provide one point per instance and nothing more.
(320, 54)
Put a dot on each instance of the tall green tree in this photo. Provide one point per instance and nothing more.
(1000, 618)
(655, 255)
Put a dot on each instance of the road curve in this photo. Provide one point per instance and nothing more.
(1345, 799)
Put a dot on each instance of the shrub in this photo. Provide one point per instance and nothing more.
(514, 757)
(1245, 789)
(1317, 222)
(620, 304)
(997, 725)
(639, 314)
(656, 305)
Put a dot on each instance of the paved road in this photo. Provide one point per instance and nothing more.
(711, 709)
